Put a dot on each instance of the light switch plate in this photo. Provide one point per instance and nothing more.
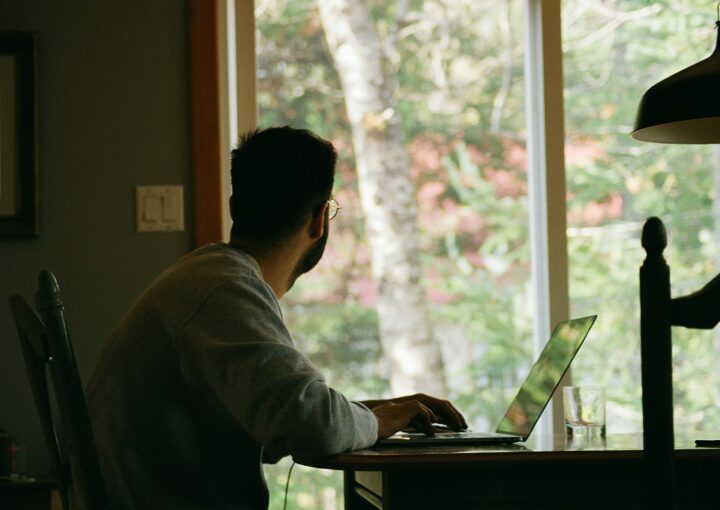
(159, 209)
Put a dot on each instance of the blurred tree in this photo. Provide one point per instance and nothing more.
(388, 197)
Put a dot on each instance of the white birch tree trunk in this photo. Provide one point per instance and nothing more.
(388, 197)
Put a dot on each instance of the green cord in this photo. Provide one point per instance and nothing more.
(287, 485)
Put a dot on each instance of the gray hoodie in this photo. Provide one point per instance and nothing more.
(200, 382)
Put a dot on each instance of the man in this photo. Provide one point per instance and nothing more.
(201, 381)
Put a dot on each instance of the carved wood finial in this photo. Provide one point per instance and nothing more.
(48, 293)
(654, 238)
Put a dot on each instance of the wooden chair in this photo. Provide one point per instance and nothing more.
(658, 313)
(46, 345)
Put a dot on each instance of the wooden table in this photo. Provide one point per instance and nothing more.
(29, 494)
(551, 472)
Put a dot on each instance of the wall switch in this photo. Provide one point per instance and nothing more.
(159, 209)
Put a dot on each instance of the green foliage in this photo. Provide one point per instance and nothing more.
(606, 72)
(343, 340)
(309, 488)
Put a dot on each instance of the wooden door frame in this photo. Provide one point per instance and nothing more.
(206, 132)
(223, 96)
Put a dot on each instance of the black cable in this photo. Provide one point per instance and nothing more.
(287, 485)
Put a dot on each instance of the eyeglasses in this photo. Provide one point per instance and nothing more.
(333, 207)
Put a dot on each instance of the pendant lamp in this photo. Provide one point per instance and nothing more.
(685, 107)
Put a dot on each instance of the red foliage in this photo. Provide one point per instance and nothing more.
(430, 191)
(345, 271)
(426, 157)
(595, 213)
(364, 291)
(507, 183)
(582, 151)
(515, 154)
(440, 297)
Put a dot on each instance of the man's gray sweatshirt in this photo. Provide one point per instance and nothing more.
(200, 382)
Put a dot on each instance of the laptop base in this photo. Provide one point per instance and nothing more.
(448, 438)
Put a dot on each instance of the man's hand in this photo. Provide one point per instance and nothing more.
(419, 411)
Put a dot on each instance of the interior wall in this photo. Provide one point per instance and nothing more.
(113, 110)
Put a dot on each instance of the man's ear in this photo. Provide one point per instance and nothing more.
(231, 202)
(316, 228)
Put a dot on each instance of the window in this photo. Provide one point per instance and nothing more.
(450, 109)
(612, 52)
(458, 79)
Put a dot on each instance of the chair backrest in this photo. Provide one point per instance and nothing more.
(46, 347)
(658, 313)
(656, 368)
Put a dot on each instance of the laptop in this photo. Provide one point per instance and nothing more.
(530, 401)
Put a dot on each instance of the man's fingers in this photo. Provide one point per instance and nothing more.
(420, 411)
(424, 417)
(451, 415)
(456, 419)
(393, 417)
(444, 408)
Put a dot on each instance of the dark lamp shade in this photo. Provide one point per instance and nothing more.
(683, 108)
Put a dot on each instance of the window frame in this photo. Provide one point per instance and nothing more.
(546, 182)
(205, 79)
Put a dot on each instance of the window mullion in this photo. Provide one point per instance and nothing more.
(546, 181)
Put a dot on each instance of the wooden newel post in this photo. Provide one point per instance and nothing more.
(656, 364)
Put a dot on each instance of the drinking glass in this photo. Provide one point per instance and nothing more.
(584, 410)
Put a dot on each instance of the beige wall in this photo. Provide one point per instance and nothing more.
(113, 113)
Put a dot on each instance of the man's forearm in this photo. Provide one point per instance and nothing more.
(370, 404)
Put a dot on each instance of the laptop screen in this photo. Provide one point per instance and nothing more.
(545, 375)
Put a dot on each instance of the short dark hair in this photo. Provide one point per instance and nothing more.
(280, 176)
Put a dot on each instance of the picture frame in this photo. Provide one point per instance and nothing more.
(19, 191)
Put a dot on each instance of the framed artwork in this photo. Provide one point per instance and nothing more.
(18, 136)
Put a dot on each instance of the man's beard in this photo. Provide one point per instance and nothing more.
(312, 255)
